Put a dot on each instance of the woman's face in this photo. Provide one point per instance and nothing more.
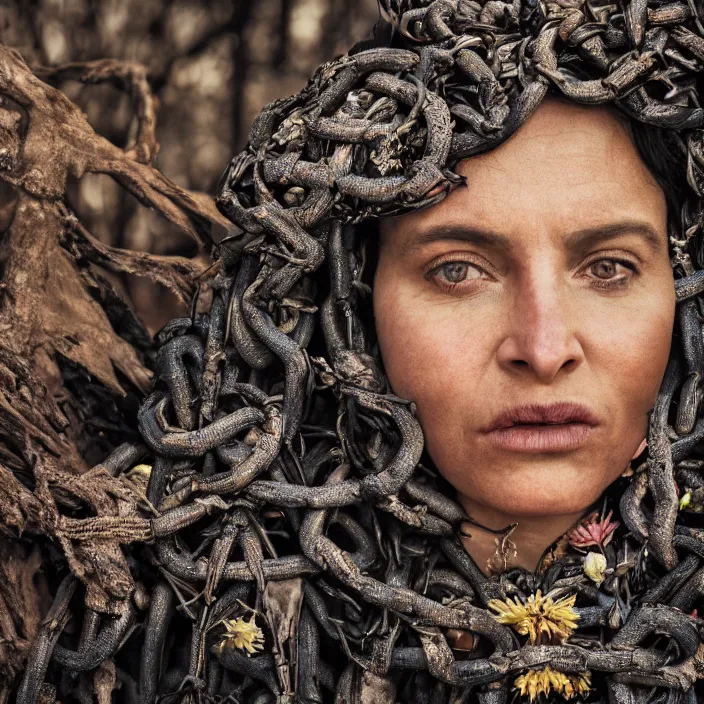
(545, 280)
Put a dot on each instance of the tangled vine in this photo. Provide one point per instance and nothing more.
(279, 536)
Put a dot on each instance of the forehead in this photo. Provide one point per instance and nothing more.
(567, 166)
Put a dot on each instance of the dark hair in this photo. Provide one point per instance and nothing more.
(664, 155)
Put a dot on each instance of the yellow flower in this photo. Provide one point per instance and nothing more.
(540, 618)
(582, 682)
(242, 634)
(537, 682)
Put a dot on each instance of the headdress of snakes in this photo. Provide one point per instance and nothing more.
(291, 542)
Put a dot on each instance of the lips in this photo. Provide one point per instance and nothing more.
(541, 429)
(539, 415)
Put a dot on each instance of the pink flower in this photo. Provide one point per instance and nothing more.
(593, 531)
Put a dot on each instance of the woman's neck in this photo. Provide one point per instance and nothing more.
(523, 547)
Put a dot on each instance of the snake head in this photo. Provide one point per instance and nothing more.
(358, 369)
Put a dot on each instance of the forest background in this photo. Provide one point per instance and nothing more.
(212, 65)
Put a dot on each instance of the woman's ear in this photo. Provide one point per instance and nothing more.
(628, 472)
(640, 449)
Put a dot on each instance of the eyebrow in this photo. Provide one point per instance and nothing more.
(579, 239)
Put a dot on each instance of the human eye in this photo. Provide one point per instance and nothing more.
(611, 272)
(453, 273)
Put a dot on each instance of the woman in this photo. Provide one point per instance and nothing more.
(516, 301)
(402, 456)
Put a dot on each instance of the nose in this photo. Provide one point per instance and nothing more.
(541, 338)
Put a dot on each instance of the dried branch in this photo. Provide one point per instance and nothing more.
(45, 138)
(129, 76)
(176, 273)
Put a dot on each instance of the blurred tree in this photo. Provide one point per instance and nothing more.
(212, 66)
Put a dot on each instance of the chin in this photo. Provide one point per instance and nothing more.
(564, 501)
(536, 492)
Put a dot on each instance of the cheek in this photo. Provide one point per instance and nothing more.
(431, 353)
(628, 351)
